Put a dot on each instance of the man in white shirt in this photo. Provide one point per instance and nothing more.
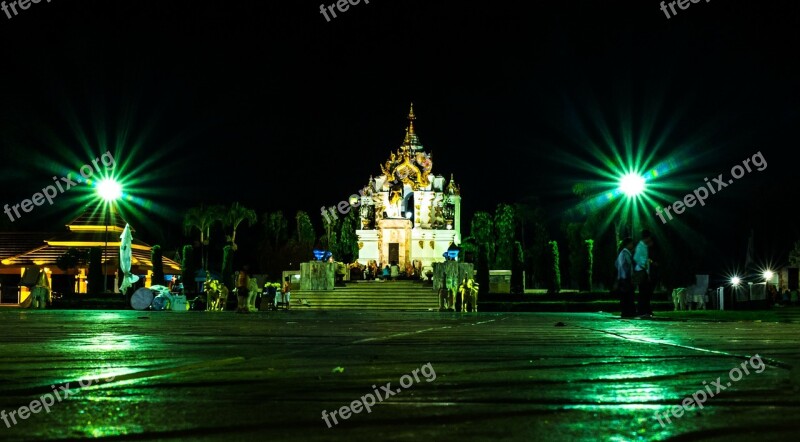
(641, 273)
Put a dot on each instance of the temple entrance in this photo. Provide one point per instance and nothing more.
(394, 253)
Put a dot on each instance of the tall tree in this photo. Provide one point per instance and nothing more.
(554, 269)
(348, 240)
(234, 216)
(305, 230)
(517, 268)
(534, 236)
(482, 234)
(794, 255)
(188, 269)
(302, 244)
(505, 234)
(273, 254)
(71, 259)
(202, 218)
(158, 265)
(586, 282)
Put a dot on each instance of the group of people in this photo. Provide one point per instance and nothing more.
(634, 268)
(390, 272)
(247, 286)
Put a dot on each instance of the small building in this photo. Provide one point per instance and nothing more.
(20, 251)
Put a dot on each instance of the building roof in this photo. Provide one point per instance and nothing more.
(15, 243)
(18, 249)
(47, 255)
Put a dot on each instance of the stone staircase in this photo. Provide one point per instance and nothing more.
(369, 295)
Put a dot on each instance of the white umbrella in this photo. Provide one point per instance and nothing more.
(125, 259)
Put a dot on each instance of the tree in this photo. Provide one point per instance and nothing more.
(517, 268)
(588, 263)
(273, 255)
(234, 216)
(554, 271)
(95, 270)
(305, 230)
(302, 244)
(188, 269)
(482, 234)
(71, 259)
(158, 265)
(276, 229)
(347, 245)
(505, 234)
(534, 237)
(794, 255)
(202, 218)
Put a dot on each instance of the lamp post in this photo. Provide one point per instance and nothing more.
(110, 191)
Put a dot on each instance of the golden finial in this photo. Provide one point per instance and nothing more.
(411, 118)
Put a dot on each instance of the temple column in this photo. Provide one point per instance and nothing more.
(457, 218)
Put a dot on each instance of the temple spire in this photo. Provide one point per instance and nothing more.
(411, 118)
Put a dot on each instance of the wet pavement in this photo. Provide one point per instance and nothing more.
(484, 376)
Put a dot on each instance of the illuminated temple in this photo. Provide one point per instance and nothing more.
(409, 215)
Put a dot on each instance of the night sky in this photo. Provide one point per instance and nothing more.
(269, 104)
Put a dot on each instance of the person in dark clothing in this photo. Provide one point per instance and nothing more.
(625, 287)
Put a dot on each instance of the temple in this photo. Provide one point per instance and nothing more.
(409, 216)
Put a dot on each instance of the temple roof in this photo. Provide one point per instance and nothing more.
(412, 139)
(87, 230)
(95, 220)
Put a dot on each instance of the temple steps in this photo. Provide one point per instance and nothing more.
(392, 295)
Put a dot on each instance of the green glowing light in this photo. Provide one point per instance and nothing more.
(109, 190)
(632, 184)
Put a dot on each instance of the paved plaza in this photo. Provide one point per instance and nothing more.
(484, 376)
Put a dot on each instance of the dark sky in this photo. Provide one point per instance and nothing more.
(266, 103)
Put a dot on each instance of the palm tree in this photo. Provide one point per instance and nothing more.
(234, 216)
(202, 218)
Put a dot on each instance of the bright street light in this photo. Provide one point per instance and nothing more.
(631, 184)
(768, 275)
(735, 281)
(109, 190)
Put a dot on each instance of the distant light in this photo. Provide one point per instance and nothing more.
(631, 184)
(109, 190)
(768, 275)
(408, 215)
(449, 227)
(735, 281)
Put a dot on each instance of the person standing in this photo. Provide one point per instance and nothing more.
(625, 286)
(641, 274)
(241, 290)
(286, 292)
